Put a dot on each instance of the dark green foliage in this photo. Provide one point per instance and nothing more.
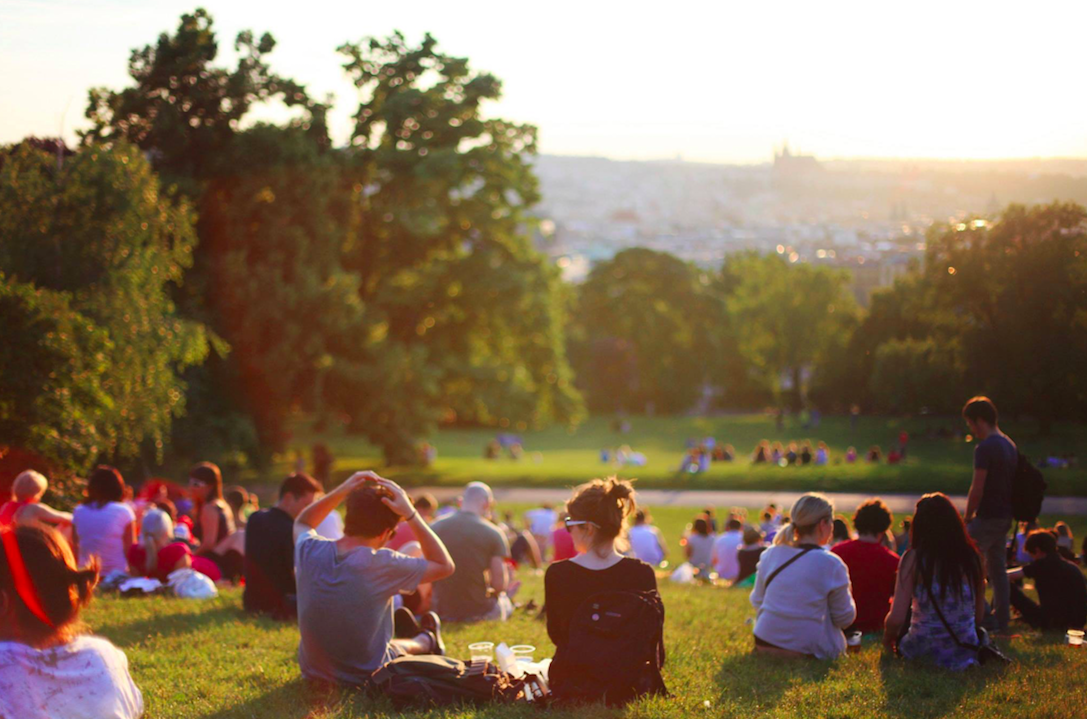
(646, 326)
(90, 252)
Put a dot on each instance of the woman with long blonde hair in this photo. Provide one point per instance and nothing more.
(802, 612)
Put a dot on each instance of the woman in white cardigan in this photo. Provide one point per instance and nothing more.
(802, 612)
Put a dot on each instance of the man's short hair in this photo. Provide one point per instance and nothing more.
(299, 484)
(980, 408)
(872, 518)
(28, 484)
(476, 494)
(1041, 540)
(367, 516)
(425, 502)
(733, 524)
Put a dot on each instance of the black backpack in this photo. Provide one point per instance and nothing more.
(1028, 490)
(431, 680)
(615, 650)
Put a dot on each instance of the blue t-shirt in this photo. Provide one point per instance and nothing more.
(998, 456)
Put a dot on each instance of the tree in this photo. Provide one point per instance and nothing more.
(466, 316)
(186, 112)
(652, 313)
(1018, 289)
(788, 317)
(101, 246)
(910, 375)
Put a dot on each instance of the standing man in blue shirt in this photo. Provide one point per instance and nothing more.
(989, 504)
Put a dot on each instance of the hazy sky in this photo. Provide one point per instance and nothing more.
(716, 81)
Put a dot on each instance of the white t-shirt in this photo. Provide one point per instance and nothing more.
(645, 543)
(541, 521)
(101, 532)
(331, 527)
(87, 678)
(725, 550)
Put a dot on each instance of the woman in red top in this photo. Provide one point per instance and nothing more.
(872, 567)
(158, 553)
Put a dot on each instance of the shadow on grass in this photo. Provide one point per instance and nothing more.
(920, 689)
(753, 684)
(127, 633)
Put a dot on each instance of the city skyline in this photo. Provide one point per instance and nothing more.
(726, 84)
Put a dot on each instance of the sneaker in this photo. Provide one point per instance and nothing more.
(404, 624)
(432, 625)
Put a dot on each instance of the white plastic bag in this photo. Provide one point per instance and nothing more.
(145, 584)
(191, 584)
(684, 574)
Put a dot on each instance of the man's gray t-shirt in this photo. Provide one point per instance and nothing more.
(345, 607)
(472, 542)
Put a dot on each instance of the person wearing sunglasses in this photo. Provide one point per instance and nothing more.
(595, 518)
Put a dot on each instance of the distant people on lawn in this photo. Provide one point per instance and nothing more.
(104, 526)
(25, 507)
(1066, 543)
(159, 552)
(726, 547)
(942, 573)
(477, 590)
(872, 567)
(989, 504)
(48, 669)
(595, 517)
(214, 521)
(698, 544)
(803, 611)
(346, 587)
(646, 541)
(268, 565)
(1062, 591)
(541, 522)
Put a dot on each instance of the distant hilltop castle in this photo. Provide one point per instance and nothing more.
(786, 164)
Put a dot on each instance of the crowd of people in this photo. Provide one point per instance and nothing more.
(376, 583)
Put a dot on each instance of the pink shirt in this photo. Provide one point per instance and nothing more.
(563, 544)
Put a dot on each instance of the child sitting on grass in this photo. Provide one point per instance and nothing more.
(26, 507)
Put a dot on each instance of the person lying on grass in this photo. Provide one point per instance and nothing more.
(47, 668)
(346, 586)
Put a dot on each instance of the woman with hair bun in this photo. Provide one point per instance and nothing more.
(803, 612)
(47, 668)
(595, 517)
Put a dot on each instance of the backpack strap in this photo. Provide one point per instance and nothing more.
(778, 571)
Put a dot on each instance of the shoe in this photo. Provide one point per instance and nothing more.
(432, 625)
(404, 624)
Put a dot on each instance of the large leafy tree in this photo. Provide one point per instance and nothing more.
(466, 314)
(1018, 290)
(788, 318)
(91, 250)
(645, 331)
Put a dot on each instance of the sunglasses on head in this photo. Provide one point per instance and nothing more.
(577, 523)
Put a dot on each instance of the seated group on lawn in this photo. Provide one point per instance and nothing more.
(360, 604)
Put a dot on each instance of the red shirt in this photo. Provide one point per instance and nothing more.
(168, 558)
(872, 569)
(563, 544)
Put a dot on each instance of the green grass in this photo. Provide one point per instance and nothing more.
(557, 457)
(207, 659)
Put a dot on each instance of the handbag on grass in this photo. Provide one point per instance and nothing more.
(985, 651)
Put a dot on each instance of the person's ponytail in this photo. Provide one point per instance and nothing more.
(607, 503)
(808, 511)
(84, 581)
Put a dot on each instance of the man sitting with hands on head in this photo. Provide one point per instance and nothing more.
(346, 586)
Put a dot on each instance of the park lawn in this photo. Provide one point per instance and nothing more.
(203, 659)
(561, 457)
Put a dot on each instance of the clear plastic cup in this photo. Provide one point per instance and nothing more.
(482, 651)
(1074, 637)
(523, 652)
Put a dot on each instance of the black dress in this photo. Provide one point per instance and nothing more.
(567, 585)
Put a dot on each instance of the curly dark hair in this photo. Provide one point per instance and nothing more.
(872, 517)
